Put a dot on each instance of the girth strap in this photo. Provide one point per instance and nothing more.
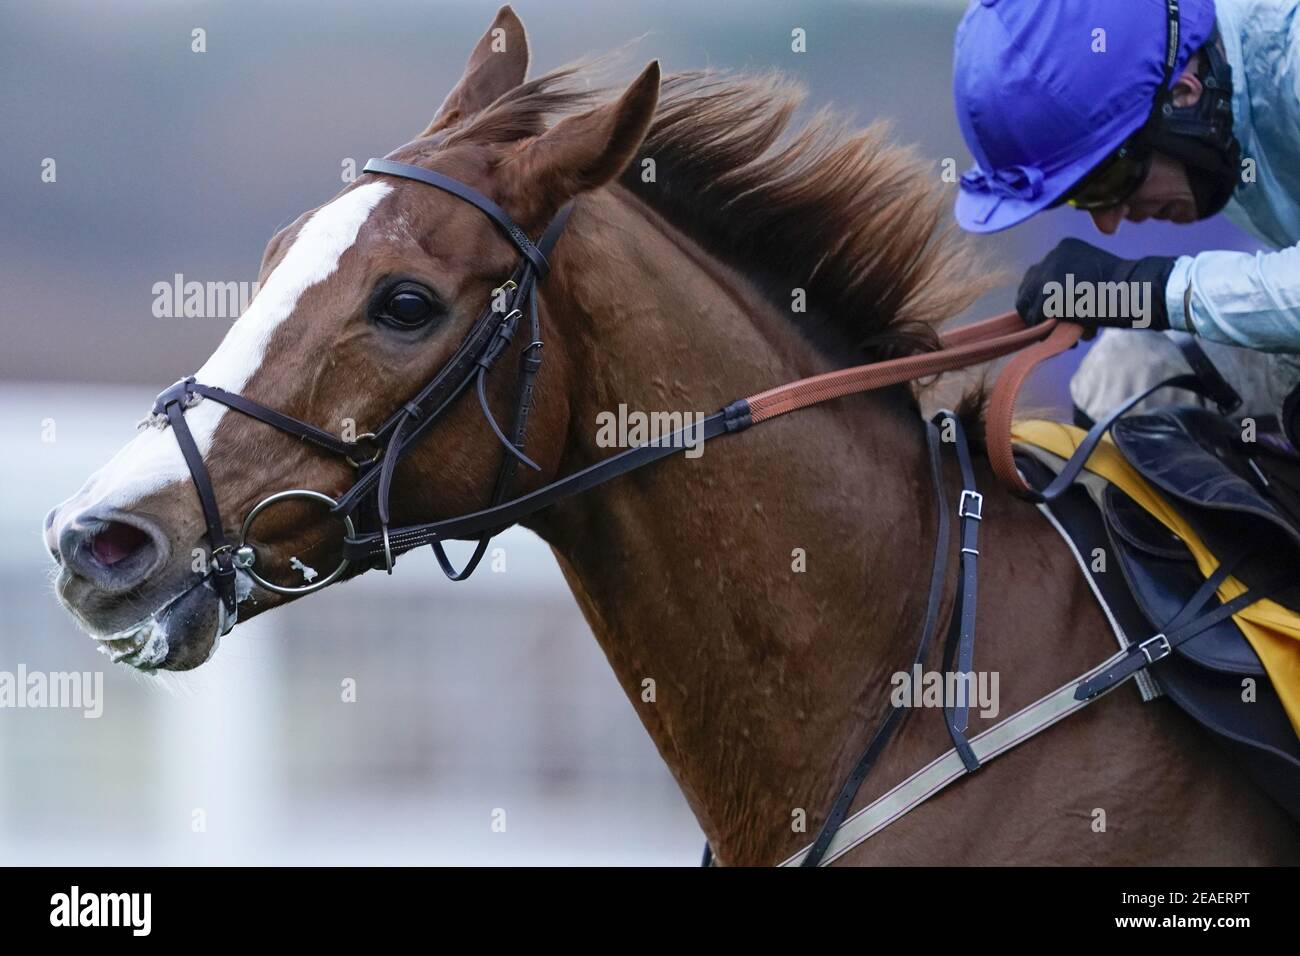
(951, 767)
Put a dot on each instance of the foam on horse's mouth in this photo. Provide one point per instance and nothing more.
(146, 644)
(143, 646)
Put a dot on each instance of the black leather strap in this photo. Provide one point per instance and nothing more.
(530, 363)
(1186, 624)
(472, 196)
(1070, 471)
(405, 427)
(285, 423)
(447, 392)
(1216, 386)
(449, 569)
(366, 547)
(477, 355)
(172, 402)
(938, 574)
(961, 636)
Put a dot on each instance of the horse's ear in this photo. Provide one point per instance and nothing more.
(581, 152)
(497, 65)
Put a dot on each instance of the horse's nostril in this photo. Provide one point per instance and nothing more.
(113, 555)
(116, 543)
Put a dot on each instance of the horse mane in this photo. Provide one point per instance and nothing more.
(846, 215)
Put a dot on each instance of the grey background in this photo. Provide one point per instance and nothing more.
(472, 697)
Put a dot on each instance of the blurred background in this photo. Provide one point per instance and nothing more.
(470, 697)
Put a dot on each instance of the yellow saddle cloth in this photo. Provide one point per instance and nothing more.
(1273, 630)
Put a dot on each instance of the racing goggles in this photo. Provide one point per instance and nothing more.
(1116, 178)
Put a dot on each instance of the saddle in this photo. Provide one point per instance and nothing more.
(1220, 485)
(1168, 498)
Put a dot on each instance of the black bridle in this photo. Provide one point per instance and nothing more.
(376, 454)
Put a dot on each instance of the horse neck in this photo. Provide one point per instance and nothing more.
(752, 601)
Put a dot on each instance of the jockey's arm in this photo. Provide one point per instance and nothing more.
(1238, 298)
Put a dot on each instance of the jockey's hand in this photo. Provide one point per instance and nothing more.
(1080, 283)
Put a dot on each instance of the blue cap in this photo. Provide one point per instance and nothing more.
(1047, 89)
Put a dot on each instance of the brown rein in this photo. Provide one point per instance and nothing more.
(970, 345)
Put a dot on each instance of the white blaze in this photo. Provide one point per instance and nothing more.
(153, 459)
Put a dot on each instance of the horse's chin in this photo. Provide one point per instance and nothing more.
(180, 635)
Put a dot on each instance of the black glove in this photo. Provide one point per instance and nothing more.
(1080, 283)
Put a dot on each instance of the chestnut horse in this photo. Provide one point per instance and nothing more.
(769, 587)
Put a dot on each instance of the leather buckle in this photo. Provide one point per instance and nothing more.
(177, 393)
(379, 451)
(532, 357)
(222, 559)
(977, 499)
(505, 288)
(1165, 648)
(500, 340)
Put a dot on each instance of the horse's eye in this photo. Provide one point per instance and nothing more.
(408, 306)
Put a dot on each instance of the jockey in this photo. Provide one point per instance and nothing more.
(1147, 109)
